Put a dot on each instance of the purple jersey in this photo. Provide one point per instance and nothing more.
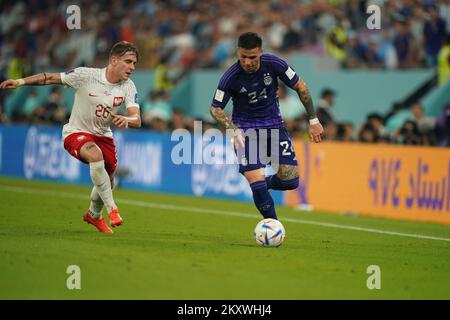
(255, 99)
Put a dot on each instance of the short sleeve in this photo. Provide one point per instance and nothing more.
(223, 91)
(221, 98)
(77, 77)
(284, 71)
(131, 95)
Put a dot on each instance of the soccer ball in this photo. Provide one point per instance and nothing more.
(269, 233)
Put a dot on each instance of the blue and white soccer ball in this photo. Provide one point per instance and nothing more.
(269, 233)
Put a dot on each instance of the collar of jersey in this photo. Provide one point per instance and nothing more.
(106, 80)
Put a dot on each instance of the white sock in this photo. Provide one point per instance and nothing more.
(96, 206)
(102, 183)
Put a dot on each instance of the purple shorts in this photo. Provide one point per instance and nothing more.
(265, 147)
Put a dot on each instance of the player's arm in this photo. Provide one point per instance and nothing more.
(220, 100)
(133, 119)
(40, 79)
(222, 118)
(225, 121)
(315, 128)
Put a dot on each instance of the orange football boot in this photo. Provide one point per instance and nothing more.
(114, 218)
(100, 224)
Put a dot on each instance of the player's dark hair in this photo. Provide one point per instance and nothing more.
(249, 40)
(122, 47)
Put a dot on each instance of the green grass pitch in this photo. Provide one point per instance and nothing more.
(176, 247)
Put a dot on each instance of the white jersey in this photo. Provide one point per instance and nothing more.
(95, 99)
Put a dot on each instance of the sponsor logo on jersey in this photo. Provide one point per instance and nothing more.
(70, 71)
(92, 95)
(243, 90)
(117, 102)
(136, 100)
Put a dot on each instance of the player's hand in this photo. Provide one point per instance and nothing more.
(315, 132)
(119, 121)
(237, 139)
(9, 84)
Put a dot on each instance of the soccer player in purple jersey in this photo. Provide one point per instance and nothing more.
(252, 83)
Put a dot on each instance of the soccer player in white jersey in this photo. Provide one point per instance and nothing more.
(88, 136)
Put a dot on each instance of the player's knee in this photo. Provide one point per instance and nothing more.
(91, 152)
(96, 155)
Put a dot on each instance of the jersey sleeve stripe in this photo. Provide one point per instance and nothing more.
(278, 62)
(272, 57)
(227, 76)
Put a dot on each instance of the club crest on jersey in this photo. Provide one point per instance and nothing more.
(117, 102)
(267, 79)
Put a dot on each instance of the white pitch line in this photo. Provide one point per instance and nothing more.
(220, 212)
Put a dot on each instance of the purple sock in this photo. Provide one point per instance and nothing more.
(263, 200)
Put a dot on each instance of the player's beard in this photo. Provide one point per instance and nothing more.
(251, 69)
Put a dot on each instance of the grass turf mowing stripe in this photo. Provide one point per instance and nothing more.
(223, 212)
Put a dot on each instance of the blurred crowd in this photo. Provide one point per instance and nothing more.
(411, 35)
(174, 36)
(405, 125)
(202, 33)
